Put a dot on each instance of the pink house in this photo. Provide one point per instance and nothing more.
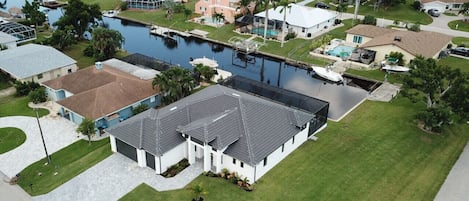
(229, 8)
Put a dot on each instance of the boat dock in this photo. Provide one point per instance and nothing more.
(165, 32)
(244, 45)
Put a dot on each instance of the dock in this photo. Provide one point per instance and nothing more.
(165, 32)
(54, 5)
(244, 45)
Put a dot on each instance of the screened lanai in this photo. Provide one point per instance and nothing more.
(22, 32)
(144, 4)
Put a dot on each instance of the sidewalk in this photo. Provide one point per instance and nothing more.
(11, 192)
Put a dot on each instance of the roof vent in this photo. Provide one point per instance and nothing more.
(237, 95)
(397, 38)
(99, 65)
(173, 108)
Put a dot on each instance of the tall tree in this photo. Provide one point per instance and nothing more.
(266, 4)
(32, 13)
(285, 4)
(87, 127)
(458, 95)
(174, 84)
(80, 16)
(169, 5)
(106, 42)
(187, 13)
(198, 191)
(205, 71)
(62, 39)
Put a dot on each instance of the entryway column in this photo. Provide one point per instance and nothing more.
(113, 143)
(190, 152)
(157, 165)
(141, 158)
(207, 164)
(218, 161)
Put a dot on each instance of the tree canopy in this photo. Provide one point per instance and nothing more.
(80, 16)
(174, 84)
(32, 13)
(105, 42)
(87, 127)
(61, 39)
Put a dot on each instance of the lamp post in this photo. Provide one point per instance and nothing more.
(42, 136)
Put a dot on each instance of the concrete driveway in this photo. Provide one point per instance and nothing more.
(114, 177)
(58, 133)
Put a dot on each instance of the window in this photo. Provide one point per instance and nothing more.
(265, 161)
(303, 30)
(39, 76)
(201, 8)
(293, 140)
(152, 99)
(195, 148)
(242, 164)
(283, 147)
(69, 71)
(234, 160)
(357, 39)
(456, 5)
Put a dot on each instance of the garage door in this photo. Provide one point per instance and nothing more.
(126, 150)
(150, 160)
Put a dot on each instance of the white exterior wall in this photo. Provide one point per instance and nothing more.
(173, 156)
(141, 158)
(349, 39)
(246, 171)
(49, 75)
(382, 51)
(299, 30)
(113, 143)
(275, 157)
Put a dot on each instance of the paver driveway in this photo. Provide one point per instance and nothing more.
(114, 177)
(58, 133)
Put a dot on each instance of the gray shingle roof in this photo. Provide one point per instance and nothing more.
(32, 59)
(249, 127)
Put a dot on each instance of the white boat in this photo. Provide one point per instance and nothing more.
(204, 61)
(328, 74)
(110, 13)
(393, 67)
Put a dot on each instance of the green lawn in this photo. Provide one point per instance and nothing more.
(76, 52)
(68, 163)
(455, 62)
(377, 74)
(375, 153)
(10, 138)
(18, 106)
(461, 41)
(462, 26)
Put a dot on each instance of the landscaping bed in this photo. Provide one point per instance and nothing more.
(176, 168)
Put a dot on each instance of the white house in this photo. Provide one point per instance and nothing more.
(38, 63)
(303, 20)
(7, 41)
(443, 5)
(220, 126)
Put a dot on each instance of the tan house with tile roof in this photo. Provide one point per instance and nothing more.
(409, 43)
(443, 5)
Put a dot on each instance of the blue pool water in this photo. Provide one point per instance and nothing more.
(341, 51)
(260, 31)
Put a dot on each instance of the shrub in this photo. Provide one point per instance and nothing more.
(337, 21)
(124, 5)
(399, 56)
(23, 88)
(139, 109)
(449, 46)
(369, 19)
(38, 95)
(179, 8)
(416, 5)
(176, 168)
(414, 28)
(89, 51)
(290, 36)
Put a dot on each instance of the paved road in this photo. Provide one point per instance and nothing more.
(456, 186)
(114, 177)
(58, 133)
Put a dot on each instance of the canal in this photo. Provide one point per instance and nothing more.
(342, 98)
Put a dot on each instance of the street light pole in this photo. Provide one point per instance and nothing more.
(42, 136)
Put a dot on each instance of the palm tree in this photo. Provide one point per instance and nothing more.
(266, 4)
(87, 127)
(285, 5)
(199, 191)
(204, 71)
(174, 84)
(106, 42)
(218, 17)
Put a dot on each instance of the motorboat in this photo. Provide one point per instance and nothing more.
(391, 65)
(110, 13)
(204, 61)
(328, 74)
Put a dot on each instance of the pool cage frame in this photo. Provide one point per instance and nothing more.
(144, 4)
(22, 32)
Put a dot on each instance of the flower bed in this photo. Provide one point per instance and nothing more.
(176, 168)
(233, 178)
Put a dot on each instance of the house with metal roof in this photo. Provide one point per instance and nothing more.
(409, 43)
(38, 63)
(105, 93)
(7, 41)
(302, 20)
(221, 126)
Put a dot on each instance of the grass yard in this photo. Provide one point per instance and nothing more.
(375, 153)
(10, 138)
(455, 62)
(18, 106)
(76, 52)
(377, 75)
(68, 162)
(461, 41)
(462, 26)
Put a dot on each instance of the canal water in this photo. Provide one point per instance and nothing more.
(138, 39)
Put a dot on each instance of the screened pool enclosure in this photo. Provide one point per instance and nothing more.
(22, 32)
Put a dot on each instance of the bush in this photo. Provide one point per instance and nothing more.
(23, 88)
(414, 28)
(337, 21)
(176, 168)
(290, 36)
(179, 8)
(89, 51)
(38, 95)
(369, 19)
(399, 56)
(416, 5)
(124, 5)
(139, 109)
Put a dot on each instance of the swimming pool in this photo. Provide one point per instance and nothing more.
(260, 31)
(341, 51)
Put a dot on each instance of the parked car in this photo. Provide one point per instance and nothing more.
(321, 5)
(434, 12)
(460, 51)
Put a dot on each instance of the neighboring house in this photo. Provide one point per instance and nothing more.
(36, 63)
(409, 43)
(229, 8)
(147, 4)
(7, 41)
(302, 20)
(221, 126)
(443, 5)
(105, 93)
